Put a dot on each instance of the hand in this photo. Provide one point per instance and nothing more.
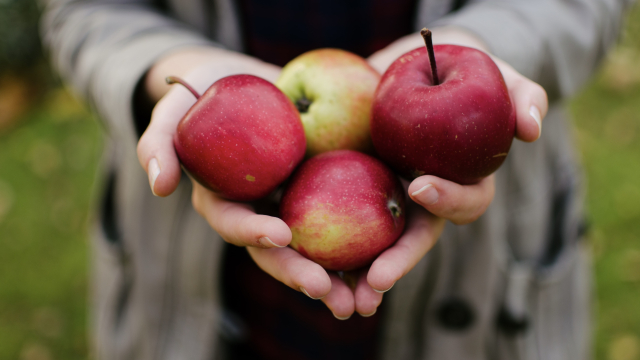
(201, 67)
(441, 199)
(237, 223)
(360, 291)
(464, 204)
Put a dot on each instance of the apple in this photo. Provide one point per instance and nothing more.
(344, 208)
(333, 90)
(241, 139)
(453, 119)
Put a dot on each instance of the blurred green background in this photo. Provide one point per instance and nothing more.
(50, 147)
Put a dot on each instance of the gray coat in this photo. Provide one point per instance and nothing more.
(521, 265)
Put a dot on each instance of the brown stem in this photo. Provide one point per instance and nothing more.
(426, 35)
(174, 79)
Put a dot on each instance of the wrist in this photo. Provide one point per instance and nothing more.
(209, 62)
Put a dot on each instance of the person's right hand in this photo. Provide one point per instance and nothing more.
(237, 223)
(199, 67)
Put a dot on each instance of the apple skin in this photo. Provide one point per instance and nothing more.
(344, 208)
(339, 86)
(460, 130)
(241, 139)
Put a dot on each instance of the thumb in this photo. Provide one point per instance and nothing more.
(156, 152)
(530, 100)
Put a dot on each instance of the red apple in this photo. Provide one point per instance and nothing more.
(241, 139)
(459, 128)
(333, 90)
(344, 208)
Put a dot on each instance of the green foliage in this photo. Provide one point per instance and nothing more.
(607, 118)
(47, 171)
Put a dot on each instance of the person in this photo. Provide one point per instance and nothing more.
(509, 276)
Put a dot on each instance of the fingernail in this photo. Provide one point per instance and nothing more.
(154, 171)
(266, 242)
(341, 318)
(383, 291)
(427, 195)
(535, 114)
(306, 293)
(368, 315)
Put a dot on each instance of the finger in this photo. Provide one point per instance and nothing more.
(461, 204)
(155, 148)
(293, 270)
(530, 101)
(421, 233)
(340, 299)
(367, 300)
(237, 223)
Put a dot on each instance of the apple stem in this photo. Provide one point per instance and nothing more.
(426, 35)
(174, 79)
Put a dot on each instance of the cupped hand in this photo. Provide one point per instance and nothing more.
(457, 203)
(435, 199)
(362, 290)
(199, 67)
(237, 223)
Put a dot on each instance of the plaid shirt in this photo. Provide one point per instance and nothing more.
(279, 30)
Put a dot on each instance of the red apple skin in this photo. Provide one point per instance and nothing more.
(460, 130)
(241, 139)
(344, 208)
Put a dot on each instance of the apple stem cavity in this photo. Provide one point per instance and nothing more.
(426, 35)
(176, 80)
(303, 104)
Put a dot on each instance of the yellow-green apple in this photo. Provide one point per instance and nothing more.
(241, 139)
(344, 208)
(453, 119)
(333, 90)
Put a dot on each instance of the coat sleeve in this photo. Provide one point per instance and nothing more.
(103, 48)
(557, 43)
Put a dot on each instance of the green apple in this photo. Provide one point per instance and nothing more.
(333, 90)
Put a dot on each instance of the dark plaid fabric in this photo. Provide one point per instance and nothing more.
(276, 321)
(279, 30)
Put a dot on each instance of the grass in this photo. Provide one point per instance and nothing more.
(48, 167)
(47, 171)
(607, 121)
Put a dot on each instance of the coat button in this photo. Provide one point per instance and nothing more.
(455, 314)
(512, 325)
